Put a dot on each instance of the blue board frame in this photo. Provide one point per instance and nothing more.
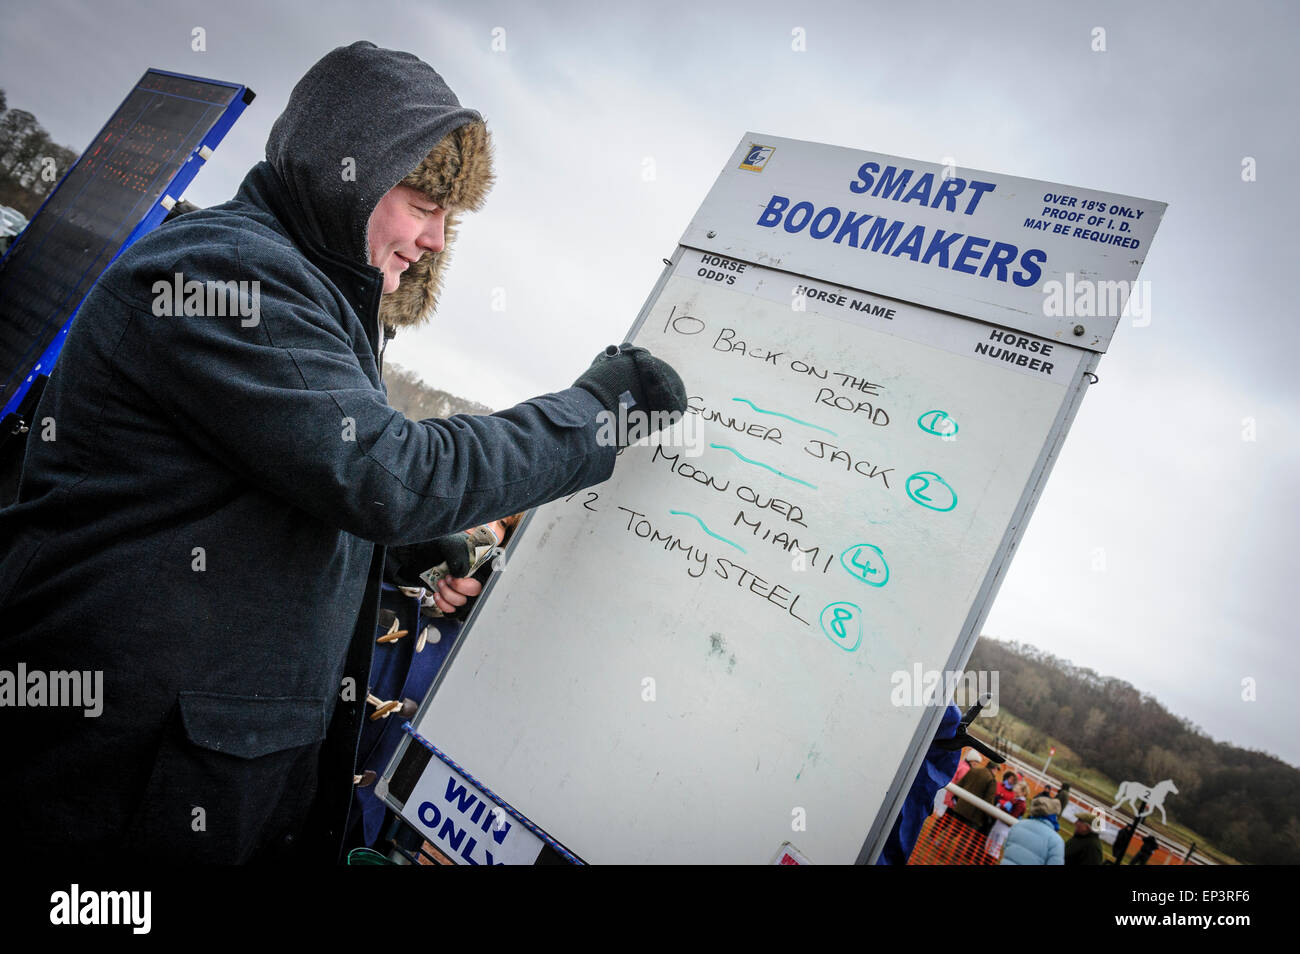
(153, 216)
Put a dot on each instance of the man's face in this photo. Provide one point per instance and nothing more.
(405, 224)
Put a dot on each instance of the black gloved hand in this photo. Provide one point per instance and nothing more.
(405, 563)
(651, 382)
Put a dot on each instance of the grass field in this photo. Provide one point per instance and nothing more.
(1087, 782)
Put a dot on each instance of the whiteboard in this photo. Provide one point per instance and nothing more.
(698, 660)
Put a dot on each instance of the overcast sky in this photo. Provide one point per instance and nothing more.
(1196, 523)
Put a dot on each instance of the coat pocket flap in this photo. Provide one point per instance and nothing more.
(251, 726)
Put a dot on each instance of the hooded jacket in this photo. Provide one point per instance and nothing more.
(206, 527)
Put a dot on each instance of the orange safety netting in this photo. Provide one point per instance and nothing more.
(947, 839)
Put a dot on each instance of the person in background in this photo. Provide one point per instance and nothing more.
(968, 762)
(980, 782)
(1033, 840)
(1085, 847)
(1013, 803)
(1062, 796)
(946, 798)
(1006, 787)
(1149, 845)
(1120, 847)
(418, 627)
(1021, 799)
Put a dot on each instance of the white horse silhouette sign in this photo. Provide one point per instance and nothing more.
(1135, 792)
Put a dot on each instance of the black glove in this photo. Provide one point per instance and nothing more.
(652, 382)
(405, 563)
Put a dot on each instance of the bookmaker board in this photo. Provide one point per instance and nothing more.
(715, 656)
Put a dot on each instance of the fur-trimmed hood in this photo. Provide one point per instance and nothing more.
(457, 175)
(360, 121)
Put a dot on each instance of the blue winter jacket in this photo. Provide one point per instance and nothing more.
(936, 771)
(1033, 841)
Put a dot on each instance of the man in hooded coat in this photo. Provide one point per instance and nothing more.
(207, 530)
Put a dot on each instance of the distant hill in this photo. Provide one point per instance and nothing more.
(1242, 799)
(410, 395)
